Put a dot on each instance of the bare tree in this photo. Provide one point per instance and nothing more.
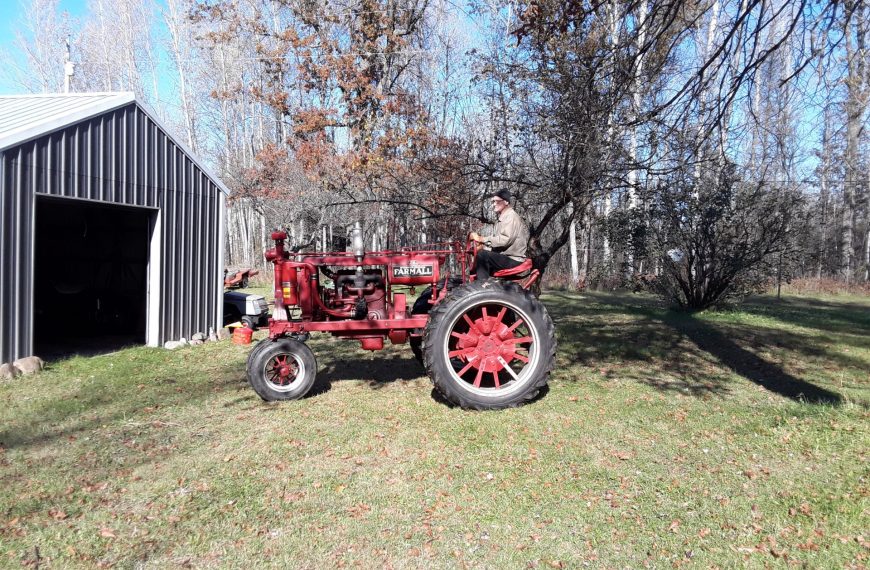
(41, 37)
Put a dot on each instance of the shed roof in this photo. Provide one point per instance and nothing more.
(26, 117)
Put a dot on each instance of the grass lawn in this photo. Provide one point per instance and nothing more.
(726, 439)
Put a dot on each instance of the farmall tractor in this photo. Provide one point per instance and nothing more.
(485, 344)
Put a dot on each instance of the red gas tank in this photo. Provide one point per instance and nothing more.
(419, 269)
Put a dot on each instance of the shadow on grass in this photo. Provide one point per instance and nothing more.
(377, 370)
(91, 407)
(680, 352)
(748, 364)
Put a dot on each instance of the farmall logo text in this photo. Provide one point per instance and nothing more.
(412, 270)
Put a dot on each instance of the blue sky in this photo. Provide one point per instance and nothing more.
(11, 13)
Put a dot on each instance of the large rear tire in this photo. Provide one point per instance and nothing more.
(489, 345)
(281, 370)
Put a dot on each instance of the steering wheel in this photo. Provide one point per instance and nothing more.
(471, 249)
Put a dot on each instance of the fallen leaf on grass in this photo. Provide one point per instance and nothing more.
(675, 524)
(359, 510)
(703, 532)
(291, 497)
(107, 533)
(57, 514)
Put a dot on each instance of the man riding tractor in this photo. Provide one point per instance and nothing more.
(506, 247)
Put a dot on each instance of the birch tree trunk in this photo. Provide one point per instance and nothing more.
(572, 242)
(587, 250)
(635, 109)
(179, 33)
(704, 91)
(613, 38)
(856, 104)
(824, 192)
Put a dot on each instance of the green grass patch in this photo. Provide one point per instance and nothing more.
(725, 439)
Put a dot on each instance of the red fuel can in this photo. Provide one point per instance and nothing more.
(242, 335)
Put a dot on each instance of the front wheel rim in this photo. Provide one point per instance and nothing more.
(492, 349)
(284, 372)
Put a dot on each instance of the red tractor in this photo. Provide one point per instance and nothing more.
(485, 345)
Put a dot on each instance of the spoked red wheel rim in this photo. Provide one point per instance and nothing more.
(282, 370)
(492, 348)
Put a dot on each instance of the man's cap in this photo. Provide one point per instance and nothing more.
(504, 194)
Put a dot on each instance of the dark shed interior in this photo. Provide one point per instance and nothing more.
(90, 276)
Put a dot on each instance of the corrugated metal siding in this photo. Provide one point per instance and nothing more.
(121, 157)
(16, 253)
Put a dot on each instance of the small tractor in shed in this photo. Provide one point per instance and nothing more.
(485, 344)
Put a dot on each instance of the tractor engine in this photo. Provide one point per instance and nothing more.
(361, 286)
(363, 290)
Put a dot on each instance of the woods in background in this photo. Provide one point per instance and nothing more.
(697, 148)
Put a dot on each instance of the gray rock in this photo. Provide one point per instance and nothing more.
(173, 344)
(29, 365)
(196, 342)
(183, 341)
(224, 334)
(8, 372)
(212, 337)
(197, 336)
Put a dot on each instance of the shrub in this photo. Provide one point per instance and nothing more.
(719, 239)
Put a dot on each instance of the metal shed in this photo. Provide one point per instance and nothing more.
(108, 225)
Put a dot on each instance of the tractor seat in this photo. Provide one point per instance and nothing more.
(518, 271)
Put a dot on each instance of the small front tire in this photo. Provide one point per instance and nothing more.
(282, 370)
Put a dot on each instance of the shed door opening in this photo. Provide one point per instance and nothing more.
(90, 277)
